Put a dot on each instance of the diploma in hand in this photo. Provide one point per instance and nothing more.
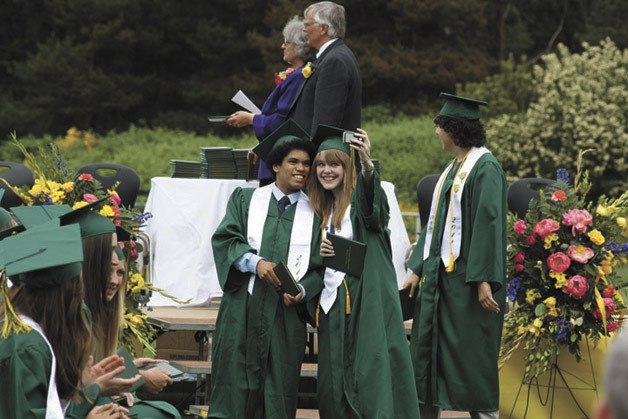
(348, 255)
(288, 283)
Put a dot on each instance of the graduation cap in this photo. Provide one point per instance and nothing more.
(5, 217)
(123, 234)
(31, 216)
(10, 231)
(42, 257)
(331, 138)
(461, 107)
(119, 253)
(287, 131)
(90, 222)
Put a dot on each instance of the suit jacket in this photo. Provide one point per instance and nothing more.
(332, 95)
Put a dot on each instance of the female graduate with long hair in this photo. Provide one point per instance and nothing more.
(364, 360)
(45, 340)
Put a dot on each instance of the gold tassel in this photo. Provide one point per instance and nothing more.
(348, 299)
(13, 325)
(318, 312)
(353, 173)
(451, 265)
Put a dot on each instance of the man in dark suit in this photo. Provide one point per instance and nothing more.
(332, 94)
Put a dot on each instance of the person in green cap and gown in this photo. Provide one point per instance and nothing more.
(45, 339)
(461, 258)
(364, 362)
(260, 336)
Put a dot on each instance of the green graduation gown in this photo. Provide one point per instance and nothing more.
(25, 364)
(455, 342)
(259, 343)
(365, 369)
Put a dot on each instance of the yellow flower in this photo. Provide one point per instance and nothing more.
(106, 211)
(307, 71)
(550, 302)
(549, 239)
(603, 211)
(136, 282)
(521, 330)
(561, 279)
(596, 237)
(535, 328)
(532, 295)
(79, 204)
(68, 187)
(621, 222)
(39, 187)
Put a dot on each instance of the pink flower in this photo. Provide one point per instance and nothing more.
(118, 223)
(115, 199)
(580, 253)
(558, 196)
(545, 227)
(609, 291)
(558, 262)
(520, 227)
(519, 267)
(612, 326)
(88, 197)
(133, 253)
(116, 212)
(530, 240)
(520, 257)
(578, 220)
(86, 177)
(577, 287)
(609, 306)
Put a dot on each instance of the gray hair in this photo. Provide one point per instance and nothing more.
(293, 33)
(330, 14)
(616, 375)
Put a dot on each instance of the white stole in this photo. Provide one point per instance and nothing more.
(452, 234)
(300, 237)
(334, 278)
(54, 406)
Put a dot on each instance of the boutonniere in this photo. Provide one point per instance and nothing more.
(308, 70)
(281, 76)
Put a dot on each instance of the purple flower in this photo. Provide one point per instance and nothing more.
(562, 174)
(513, 288)
(563, 330)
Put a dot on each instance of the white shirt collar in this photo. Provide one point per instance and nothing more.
(324, 47)
(293, 197)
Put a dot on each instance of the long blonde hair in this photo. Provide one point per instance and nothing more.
(321, 199)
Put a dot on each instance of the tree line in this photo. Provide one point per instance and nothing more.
(105, 64)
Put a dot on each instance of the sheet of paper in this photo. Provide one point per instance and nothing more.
(241, 99)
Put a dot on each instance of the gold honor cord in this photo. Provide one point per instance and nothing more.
(452, 265)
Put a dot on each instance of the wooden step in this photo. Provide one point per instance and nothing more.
(202, 410)
(205, 367)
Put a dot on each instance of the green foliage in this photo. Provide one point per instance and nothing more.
(581, 103)
(508, 92)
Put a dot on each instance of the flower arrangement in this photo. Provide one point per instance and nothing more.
(562, 265)
(281, 76)
(56, 184)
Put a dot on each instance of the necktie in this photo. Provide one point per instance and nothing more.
(282, 204)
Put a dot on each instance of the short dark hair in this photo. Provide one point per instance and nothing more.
(465, 132)
(280, 152)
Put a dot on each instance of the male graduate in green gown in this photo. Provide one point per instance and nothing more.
(260, 332)
(461, 258)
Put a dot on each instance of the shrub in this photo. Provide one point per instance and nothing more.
(582, 103)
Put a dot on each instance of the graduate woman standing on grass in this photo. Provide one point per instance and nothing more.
(461, 256)
(364, 361)
(45, 338)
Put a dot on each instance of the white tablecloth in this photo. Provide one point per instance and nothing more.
(185, 214)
